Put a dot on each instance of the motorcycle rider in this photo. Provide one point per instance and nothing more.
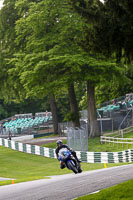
(60, 145)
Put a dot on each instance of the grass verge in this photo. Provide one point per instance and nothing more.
(123, 191)
(27, 167)
(94, 145)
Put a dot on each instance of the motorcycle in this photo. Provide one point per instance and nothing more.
(69, 161)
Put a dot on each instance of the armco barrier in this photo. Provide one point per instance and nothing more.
(89, 157)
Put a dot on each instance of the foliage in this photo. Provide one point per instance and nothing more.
(47, 45)
(8, 17)
(110, 31)
(28, 106)
(3, 112)
(69, 117)
(45, 48)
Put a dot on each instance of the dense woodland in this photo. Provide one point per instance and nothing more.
(64, 56)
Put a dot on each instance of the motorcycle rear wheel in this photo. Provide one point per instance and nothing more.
(79, 170)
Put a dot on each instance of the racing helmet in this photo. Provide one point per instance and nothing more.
(59, 142)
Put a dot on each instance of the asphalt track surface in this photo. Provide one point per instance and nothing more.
(67, 187)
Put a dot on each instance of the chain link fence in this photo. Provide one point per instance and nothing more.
(77, 138)
(114, 121)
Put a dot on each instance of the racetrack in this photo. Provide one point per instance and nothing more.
(67, 187)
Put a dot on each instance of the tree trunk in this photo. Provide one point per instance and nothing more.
(54, 113)
(73, 106)
(93, 128)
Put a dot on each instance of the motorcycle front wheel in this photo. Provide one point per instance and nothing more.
(79, 168)
(72, 167)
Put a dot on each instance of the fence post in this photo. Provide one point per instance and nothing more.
(101, 139)
(80, 139)
(63, 129)
(9, 134)
(121, 133)
(101, 125)
(117, 143)
(132, 116)
(112, 125)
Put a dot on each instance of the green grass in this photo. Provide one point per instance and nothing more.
(94, 145)
(27, 167)
(53, 144)
(123, 191)
(128, 135)
(41, 137)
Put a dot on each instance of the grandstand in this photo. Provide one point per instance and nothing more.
(26, 123)
(105, 111)
(110, 116)
(112, 113)
(120, 104)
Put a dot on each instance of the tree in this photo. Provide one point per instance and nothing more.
(55, 52)
(98, 41)
(120, 19)
(10, 47)
(8, 16)
(46, 58)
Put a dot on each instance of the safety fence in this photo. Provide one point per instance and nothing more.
(77, 138)
(125, 130)
(89, 157)
(113, 140)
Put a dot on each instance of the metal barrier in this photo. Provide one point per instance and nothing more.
(113, 140)
(127, 121)
(77, 138)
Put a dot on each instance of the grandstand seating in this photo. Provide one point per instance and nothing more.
(110, 108)
(23, 124)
